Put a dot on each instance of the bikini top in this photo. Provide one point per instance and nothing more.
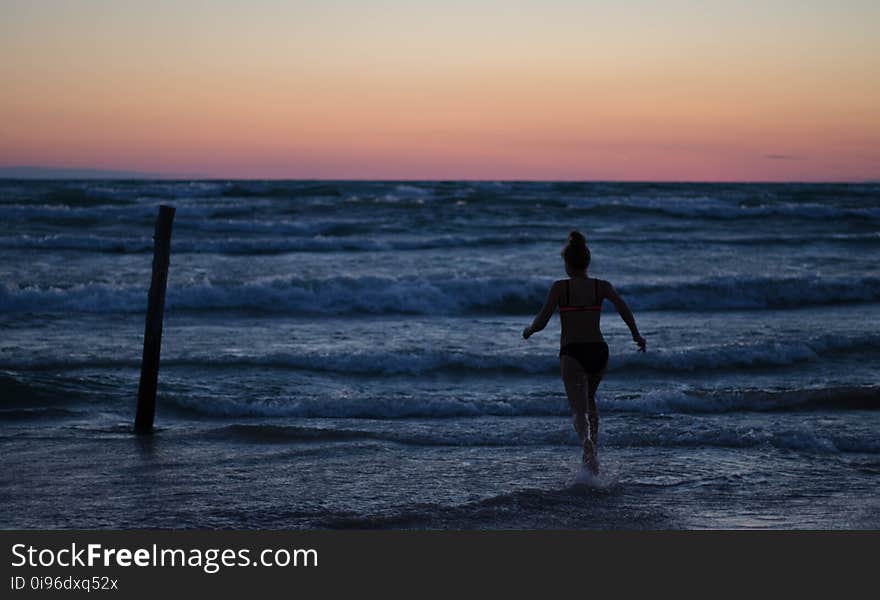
(568, 307)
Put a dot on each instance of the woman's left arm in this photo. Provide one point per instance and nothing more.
(543, 317)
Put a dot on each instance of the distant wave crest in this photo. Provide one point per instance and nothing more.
(449, 296)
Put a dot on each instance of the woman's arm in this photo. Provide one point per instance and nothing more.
(540, 321)
(625, 314)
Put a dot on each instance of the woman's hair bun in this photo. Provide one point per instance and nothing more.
(576, 237)
(576, 253)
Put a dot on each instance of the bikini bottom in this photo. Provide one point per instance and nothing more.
(592, 356)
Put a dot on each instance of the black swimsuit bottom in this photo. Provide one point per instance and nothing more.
(593, 356)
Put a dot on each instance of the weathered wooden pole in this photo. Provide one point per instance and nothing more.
(146, 405)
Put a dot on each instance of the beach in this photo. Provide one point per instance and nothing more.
(348, 354)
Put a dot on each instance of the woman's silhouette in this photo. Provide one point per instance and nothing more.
(583, 353)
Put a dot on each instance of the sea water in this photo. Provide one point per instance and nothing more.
(349, 354)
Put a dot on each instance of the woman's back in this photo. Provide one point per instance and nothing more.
(580, 306)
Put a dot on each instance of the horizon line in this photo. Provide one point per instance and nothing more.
(37, 173)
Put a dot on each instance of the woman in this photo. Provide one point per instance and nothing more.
(583, 355)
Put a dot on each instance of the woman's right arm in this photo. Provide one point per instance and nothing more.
(625, 314)
(540, 321)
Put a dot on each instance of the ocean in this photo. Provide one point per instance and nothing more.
(348, 354)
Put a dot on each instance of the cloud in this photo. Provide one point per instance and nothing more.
(783, 157)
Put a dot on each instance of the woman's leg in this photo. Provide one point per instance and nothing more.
(575, 380)
(576, 387)
(592, 413)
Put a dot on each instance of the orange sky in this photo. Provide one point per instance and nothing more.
(483, 89)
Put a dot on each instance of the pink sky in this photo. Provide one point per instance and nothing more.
(461, 90)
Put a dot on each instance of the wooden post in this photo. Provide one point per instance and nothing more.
(146, 404)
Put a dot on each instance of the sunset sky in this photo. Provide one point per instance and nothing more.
(478, 89)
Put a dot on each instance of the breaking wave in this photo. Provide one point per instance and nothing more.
(448, 296)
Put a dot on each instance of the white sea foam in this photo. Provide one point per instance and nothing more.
(412, 295)
(719, 208)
